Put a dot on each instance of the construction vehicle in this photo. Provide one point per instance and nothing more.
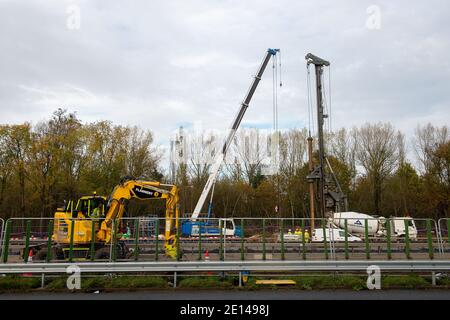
(105, 225)
(200, 226)
(334, 235)
(330, 196)
(208, 229)
(376, 226)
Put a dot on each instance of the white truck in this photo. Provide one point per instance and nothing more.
(376, 226)
(334, 235)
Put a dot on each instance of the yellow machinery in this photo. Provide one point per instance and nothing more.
(106, 214)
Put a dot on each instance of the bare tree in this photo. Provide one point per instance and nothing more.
(377, 153)
(249, 152)
(342, 146)
(292, 151)
(426, 141)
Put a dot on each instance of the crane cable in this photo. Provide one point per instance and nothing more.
(310, 109)
(327, 103)
(329, 95)
(276, 70)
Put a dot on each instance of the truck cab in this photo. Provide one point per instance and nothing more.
(211, 228)
(398, 227)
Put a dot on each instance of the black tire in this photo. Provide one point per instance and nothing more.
(102, 253)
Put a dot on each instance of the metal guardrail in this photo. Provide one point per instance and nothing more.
(230, 266)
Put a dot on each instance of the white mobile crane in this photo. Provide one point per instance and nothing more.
(194, 227)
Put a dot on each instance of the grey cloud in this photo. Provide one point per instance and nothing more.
(158, 64)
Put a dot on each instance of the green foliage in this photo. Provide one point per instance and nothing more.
(411, 281)
(331, 282)
(137, 282)
(205, 282)
(94, 283)
(305, 282)
(19, 283)
(63, 159)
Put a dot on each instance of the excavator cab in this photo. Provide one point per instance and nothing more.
(92, 206)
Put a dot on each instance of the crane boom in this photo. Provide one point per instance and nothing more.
(220, 156)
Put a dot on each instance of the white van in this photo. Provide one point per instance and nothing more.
(333, 234)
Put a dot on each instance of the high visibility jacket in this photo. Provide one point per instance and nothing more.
(95, 213)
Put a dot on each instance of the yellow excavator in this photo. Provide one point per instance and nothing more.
(106, 215)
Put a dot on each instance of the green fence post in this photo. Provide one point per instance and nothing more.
(430, 240)
(199, 258)
(303, 240)
(157, 240)
(114, 241)
(366, 237)
(221, 241)
(388, 238)
(5, 250)
(264, 239)
(27, 241)
(407, 249)
(448, 230)
(242, 241)
(136, 240)
(72, 232)
(282, 239)
(346, 239)
(48, 258)
(92, 254)
(325, 246)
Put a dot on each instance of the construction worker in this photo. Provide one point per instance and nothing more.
(298, 231)
(289, 231)
(96, 212)
(127, 234)
(306, 235)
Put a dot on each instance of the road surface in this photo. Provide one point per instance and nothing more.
(280, 294)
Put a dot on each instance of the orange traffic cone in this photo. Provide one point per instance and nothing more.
(30, 256)
(206, 255)
(29, 260)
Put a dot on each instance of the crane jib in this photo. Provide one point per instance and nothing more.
(234, 126)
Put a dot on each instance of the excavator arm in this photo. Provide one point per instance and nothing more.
(142, 190)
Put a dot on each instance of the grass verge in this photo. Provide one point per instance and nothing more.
(306, 282)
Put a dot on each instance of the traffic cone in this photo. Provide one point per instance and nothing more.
(206, 255)
(30, 256)
(29, 260)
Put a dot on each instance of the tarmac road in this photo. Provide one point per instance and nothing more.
(280, 294)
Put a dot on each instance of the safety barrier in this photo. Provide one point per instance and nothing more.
(237, 239)
(230, 266)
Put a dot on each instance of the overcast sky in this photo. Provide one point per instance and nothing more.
(162, 64)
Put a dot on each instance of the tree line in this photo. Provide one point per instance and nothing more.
(63, 158)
